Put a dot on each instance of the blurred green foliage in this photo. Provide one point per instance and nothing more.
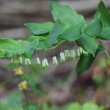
(14, 102)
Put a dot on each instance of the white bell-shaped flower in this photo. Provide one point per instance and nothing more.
(62, 57)
(38, 61)
(45, 63)
(27, 61)
(67, 53)
(84, 52)
(78, 52)
(73, 53)
(20, 59)
(55, 61)
(12, 60)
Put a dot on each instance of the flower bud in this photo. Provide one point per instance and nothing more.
(23, 85)
(55, 61)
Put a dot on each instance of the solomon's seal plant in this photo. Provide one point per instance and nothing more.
(68, 25)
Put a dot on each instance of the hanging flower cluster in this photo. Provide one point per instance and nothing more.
(63, 56)
(67, 26)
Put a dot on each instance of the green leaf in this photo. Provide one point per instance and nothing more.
(12, 65)
(6, 43)
(22, 46)
(39, 28)
(38, 42)
(74, 106)
(30, 51)
(104, 14)
(88, 43)
(10, 48)
(55, 33)
(86, 61)
(2, 53)
(65, 14)
(45, 107)
(93, 28)
(90, 106)
(30, 106)
(15, 104)
(72, 33)
(105, 34)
